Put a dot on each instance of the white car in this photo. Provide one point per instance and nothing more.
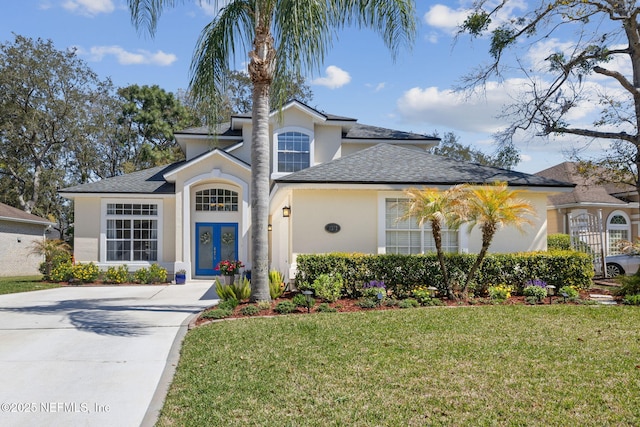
(618, 265)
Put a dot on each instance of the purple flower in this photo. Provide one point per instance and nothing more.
(374, 284)
(537, 282)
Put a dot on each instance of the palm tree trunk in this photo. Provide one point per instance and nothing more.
(437, 237)
(261, 73)
(260, 195)
(488, 230)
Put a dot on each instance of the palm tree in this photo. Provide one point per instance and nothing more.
(491, 207)
(285, 36)
(50, 249)
(439, 208)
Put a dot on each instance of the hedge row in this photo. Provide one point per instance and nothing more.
(402, 273)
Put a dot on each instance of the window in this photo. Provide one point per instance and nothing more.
(294, 151)
(132, 233)
(217, 199)
(618, 229)
(407, 237)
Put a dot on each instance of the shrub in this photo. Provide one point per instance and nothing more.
(422, 295)
(249, 310)
(263, 305)
(284, 307)
(367, 303)
(62, 272)
(629, 285)
(276, 285)
(535, 290)
(117, 275)
(325, 308)
(240, 290)
(228, 304)
(300, 300)
(572, 293)
(402, 273)
(216, 313)
(408, 303)
(500, 293)
(157, 274)
(53, 262)
(558, 241)
(154, 274)
(85, 273)
(328, 286)
(631, 300)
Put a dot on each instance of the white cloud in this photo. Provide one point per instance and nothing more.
(376, 87)
(212, 9)
(141, 57)
(335, 78)
(445, 18)
(456, 110)
(89, 7)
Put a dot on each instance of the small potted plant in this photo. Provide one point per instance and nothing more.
(181, 277)
(229, 269)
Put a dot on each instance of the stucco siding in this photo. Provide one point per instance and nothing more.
(356, 213)
(86, 229)
(509, 239)
(16, 242)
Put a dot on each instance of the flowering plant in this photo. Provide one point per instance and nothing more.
(373, 288)
(229, 268)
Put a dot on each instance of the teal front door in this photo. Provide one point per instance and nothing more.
(215, 242)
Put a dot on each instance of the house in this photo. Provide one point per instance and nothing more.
(335, 185)
(616, 203)
(18, 231)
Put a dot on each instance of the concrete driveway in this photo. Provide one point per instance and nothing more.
(100, 356)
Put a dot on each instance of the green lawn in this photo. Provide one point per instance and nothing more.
(12, 285)
(491, 365)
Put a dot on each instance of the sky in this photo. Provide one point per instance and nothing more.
(359, 79)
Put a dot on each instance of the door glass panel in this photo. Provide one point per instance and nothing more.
(206, 248)
(228, 243)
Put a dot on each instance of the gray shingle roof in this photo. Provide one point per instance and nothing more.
(390, 164)
(10, 213)
(148, 181)
(587, 189)
(360, 131)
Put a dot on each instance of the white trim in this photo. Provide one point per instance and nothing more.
(43, 223)
(170, 176)
(215, 176)
(463, 243)
(609, 227)
(274, 147)
(102, 255)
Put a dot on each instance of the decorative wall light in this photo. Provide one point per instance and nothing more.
(286, 211)
(269, 227)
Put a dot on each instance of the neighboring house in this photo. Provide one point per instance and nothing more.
(617, 202)
(18, 231)
(335, 187)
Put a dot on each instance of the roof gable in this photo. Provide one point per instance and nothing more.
(390, 164)
(587, 190)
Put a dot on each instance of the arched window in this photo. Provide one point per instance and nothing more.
(618, 228)
(217, 199)
(294, 151)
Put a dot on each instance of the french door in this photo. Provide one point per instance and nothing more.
(215, 242)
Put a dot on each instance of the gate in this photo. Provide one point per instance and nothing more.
(587, 235)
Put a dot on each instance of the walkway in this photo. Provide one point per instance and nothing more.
(99, 356)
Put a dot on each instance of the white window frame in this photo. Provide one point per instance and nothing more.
(425, 228)
(276, 173)
(617, 227)
(233, 194)
(103, 228)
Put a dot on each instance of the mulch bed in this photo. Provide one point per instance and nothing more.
(351, 305)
